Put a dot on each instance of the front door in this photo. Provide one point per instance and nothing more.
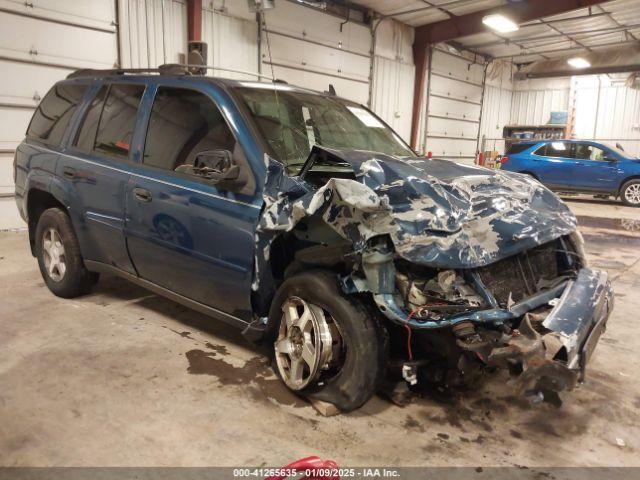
(598, 170)
(185, 232)
(555, 165)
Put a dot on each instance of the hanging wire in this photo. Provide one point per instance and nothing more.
(273, 78)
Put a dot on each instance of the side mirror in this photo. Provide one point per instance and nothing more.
(218, 167)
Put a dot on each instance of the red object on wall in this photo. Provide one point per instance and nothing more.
(481, 159)
(312, 463)
(194, 20)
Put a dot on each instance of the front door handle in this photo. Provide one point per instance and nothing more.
(142, 194)
(69, 172)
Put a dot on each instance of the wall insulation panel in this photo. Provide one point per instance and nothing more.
(534, 100)
(232, 43)
(152, 32)
(393, 76)
(608, 111)
(496, 105)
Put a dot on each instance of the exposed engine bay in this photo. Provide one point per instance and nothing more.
(473, 269)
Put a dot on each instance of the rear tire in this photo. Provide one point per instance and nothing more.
(630, 193)
(358, 355)
(59, 258)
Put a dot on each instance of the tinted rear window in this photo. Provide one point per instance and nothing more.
(87, 134)
(518, 147)
(118, 120)
(54, 113)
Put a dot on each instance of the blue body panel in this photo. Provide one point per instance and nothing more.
(575, 175)
(192, 238)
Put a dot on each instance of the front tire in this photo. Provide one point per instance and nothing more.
(630, 193)
(59, 258)
(326, 346)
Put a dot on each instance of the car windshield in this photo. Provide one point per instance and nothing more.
(292, 122)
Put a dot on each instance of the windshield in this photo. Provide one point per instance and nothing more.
(293, 122)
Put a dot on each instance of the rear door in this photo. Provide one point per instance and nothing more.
(184, 233)
(555, 165)
(97, 163)
(598, 171)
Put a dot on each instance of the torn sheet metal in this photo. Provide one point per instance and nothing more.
(436, 212)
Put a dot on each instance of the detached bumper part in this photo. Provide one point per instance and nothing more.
(556, 360)
(580, 317)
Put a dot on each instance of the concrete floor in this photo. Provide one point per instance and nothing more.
(125, 378)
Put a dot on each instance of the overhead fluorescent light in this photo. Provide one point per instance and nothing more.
(500, 23)
(578, 62)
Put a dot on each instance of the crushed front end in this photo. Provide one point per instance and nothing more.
(473, 268)
(538, 313)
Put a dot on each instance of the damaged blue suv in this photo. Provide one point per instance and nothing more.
(304, 220)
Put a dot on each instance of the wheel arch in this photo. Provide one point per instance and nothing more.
(627, 179)
(39, 200)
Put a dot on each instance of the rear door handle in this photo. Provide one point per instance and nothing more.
(69, 172)
(142, 194)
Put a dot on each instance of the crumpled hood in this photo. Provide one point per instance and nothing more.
(437, 213)
(453, 215)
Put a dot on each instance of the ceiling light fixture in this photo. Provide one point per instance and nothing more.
(579, 62)
(500, 23)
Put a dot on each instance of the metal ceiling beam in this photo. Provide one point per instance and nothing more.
(471, 23)
(538, 38)
(564, 50)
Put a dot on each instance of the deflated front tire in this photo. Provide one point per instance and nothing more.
(326, 346)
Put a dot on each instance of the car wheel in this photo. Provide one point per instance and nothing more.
(630, 193)
(59, 257)
(326, 346)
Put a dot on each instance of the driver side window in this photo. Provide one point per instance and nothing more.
(187, 134)
(584, 151)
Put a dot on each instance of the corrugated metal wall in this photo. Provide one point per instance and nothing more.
(393, 76)
(607, 110)
(152, 32)
(454, 101)
(231, 34)
(534, 100)
(496, 105)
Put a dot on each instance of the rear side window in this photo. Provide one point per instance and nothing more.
(86, 137)
(518, 148)
(118, 120)
(54, 113)
(183, 124)
(555, 149)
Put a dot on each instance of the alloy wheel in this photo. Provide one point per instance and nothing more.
(54, 255)
(632, 194)
(304, 344)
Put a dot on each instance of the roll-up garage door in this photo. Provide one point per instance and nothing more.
(454, 105)
(312, 49)
(41, 42)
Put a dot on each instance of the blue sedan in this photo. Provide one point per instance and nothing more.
(578, 166)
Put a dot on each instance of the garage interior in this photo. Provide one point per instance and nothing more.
(122, 377)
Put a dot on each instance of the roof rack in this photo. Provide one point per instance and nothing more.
(164, 69)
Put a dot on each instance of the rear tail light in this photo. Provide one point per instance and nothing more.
(504, 160)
